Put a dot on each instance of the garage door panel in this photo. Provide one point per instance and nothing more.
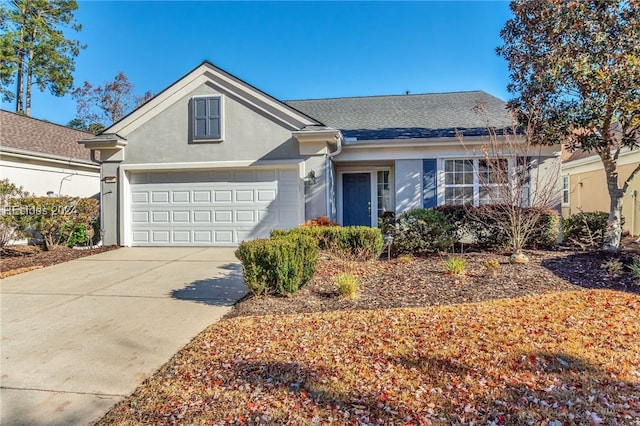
(223, 237)
(223, 196)
(223, 216)
(140, 236)
(181, 196)
(244, 196)
(181, 236)
(160, 197)
(247, 216)
(160, 236)
(201, 196)
(202, 216)
(222, 208)
(266, 195)
(202, 236)
(140, 217)
(139, 197)
(160, 217)
(181, 216)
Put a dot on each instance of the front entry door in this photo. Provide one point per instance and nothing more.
(356, 199)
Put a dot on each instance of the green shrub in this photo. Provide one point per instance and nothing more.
(8, 223)
(423, 231)
(348, 285)
(354, 242)
(585, 229)
(76, 236)
(484, 226)
(386, 222)
(50, 216)
(547, 230)
(278, 265)
(458, 217)
(81, 234)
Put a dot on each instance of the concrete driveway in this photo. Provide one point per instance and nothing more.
(79, 336)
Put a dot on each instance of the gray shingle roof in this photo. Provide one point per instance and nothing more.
(409, 116)
(30, 134)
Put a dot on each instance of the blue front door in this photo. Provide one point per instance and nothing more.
(356, 199)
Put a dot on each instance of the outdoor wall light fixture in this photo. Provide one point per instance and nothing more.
(311, 177)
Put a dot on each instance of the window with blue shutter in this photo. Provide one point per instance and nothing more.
(207, 118)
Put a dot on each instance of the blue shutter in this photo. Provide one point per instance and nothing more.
(429, 183)
(207, 119)
(214, 118)
(200, 118)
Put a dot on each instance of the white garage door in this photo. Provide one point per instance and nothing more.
(215, 207)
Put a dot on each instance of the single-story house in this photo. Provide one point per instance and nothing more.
(45, 158)
(584, 186)
(212, 160)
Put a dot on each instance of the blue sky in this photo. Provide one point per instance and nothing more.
(291, 50)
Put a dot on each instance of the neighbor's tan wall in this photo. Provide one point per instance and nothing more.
(588, 192)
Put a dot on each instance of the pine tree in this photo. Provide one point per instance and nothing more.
(34, 50)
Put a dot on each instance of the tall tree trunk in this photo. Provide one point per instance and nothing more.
(27, 109)
(29, 67)
(19, 79)
(20, 85)
(613, 234)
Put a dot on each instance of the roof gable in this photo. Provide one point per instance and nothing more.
(409, 116)
(39, 136)
(225, 83)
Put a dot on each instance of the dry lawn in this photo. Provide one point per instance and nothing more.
(555, 359)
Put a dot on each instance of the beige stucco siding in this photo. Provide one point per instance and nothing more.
(39, 176)
(588, 190)
(247, 135)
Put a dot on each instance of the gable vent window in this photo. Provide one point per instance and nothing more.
(207, 118)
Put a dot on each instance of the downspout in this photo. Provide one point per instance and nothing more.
(92, 156)
(328, 170)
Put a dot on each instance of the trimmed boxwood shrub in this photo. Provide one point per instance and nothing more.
(278, 265)
(585, 229)
(354, 242)
(423, 231)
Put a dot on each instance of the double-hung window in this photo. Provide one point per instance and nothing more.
(207, 118)
(475, 181)
(565, 189)
(384, 192)
(459, 186)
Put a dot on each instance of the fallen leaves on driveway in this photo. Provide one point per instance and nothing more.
(556, 359)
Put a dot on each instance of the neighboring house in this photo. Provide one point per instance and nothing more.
(584, 186)
(44, 158)
(212, 160)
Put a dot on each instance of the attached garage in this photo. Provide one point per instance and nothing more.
(211, 207)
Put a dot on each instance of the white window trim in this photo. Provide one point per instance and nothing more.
(222, 118)
(476, 180)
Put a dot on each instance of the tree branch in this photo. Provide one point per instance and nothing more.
(627, 182)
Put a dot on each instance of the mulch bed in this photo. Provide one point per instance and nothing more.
(25, 258)
(419, 282)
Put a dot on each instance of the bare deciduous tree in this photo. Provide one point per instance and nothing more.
(517, 183)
